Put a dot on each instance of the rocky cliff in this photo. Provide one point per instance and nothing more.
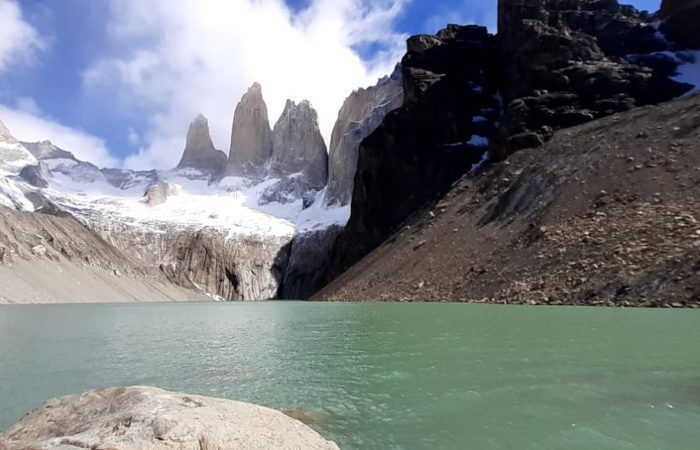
(450, 115)
(361, 114)
(299, 156)
(200, 153)
(680, 22)
(251, 137)
(605, 213)
(553, 65)
(565, 65)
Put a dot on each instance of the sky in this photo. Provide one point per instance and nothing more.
(117, 82)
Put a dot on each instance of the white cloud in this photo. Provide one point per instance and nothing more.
(19, 41)
(183, 57)
(30, 126)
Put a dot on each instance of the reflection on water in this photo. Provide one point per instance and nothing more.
(383, 376)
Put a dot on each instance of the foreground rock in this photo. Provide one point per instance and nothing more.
(145, 417)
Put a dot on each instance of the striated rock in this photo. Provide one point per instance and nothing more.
(199, 151)
(47, 150)
(144, 417)
(681, 18)
(159, 193)
(298, 147)
(36, 175)
(359, 116)
(251, 137)
(232, 268)
(564, 66)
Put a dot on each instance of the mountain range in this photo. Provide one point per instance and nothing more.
(282, 213)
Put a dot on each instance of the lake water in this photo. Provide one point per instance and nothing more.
(384, 376)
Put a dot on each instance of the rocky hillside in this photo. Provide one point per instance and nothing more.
(603, 214)
(553, 66)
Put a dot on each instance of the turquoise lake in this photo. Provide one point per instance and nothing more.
(384, 376)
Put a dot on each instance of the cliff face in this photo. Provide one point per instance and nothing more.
(554, 65)
(199, 151)
(564, 65)
(299, 157)
(361, 114)
(298, 147)
(681, 18)
(251, 137)
(449, 116)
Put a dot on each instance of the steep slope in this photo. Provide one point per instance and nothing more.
(46, 258)
(604, 213)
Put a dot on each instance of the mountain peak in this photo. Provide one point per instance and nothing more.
(251, 136)
(199, 151)
(5, 134)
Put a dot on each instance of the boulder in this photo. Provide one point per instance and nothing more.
(251, 137)
(159, 193)
(144, 417)
(200, 153)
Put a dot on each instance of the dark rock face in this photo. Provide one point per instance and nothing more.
(36, 175)
(251, 137)
(309, 256)
(681, 19)
(564, 65)
(450, 82)
(199, 151)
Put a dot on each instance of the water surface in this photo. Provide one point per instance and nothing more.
(384, 376)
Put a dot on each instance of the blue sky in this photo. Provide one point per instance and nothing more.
(119, 80)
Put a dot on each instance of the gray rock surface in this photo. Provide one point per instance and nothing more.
(36, 175)
(47, 150)
(298, 147)
(362, 112)
(251, 137)
(145, 417)
(199, 151)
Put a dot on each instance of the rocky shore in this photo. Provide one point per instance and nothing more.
(137, 418)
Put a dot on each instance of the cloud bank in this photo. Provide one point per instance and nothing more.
(27, 124)
(177, 58)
